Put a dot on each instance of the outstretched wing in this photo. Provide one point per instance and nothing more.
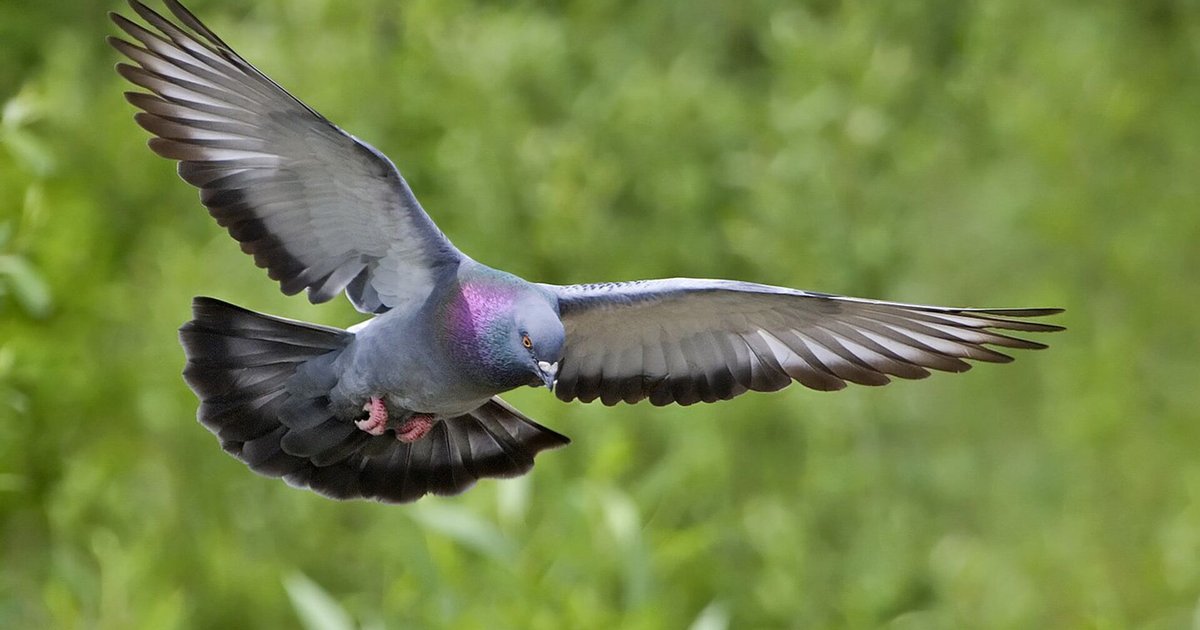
(319, 209)
(687, 341)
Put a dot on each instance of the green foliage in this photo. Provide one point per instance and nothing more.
(997, 152)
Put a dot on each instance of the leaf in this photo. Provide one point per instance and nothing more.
(21, 109)
(27, 285)
(512, 501)
(466, 528)
(29, 150)
(315, 607)
(714, 617)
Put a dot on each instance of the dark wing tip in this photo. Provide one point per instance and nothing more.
(188, 18)
(1032, 327)
(118, 19)
(150, 15)
(1036, 345)
(1016, 318)
(1022, 312)
(130, 27)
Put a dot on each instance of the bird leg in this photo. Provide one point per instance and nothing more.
(415, 427)
(377, 416)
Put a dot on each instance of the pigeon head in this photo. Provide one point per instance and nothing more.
(540, 335)
(507, 334)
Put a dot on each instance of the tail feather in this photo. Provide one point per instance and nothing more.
(494, 440)
(264, 456)
(263, 383)
(318, 440)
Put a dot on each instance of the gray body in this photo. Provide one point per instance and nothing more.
(412, 377)
(402, 356)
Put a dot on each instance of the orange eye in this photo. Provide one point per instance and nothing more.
(526, 341)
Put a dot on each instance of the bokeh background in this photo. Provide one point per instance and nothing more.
(984, 152)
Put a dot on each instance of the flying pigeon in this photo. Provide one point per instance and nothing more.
(407, 403)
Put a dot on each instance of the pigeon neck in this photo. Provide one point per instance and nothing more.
(477, 322)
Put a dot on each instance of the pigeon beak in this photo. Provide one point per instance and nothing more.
(549, 372)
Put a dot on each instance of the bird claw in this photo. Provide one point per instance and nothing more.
(377, 416)
(414, 428)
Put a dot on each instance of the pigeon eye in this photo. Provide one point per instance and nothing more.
(526, 341)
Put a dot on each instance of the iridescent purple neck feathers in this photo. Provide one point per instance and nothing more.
(477, 325)
(499, 328)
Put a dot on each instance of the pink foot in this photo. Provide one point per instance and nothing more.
(376, 422)
(414, 428)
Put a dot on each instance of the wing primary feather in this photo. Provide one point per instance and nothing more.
(973, 318)
(943, 343)
(929, 330)
(908, 348)
(881, 358)
(838, 360)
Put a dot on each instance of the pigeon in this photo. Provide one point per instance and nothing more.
(407, 403)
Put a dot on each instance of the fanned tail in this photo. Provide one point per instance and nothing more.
(494, 440)
(264, 381)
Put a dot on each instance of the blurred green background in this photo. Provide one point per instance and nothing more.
(987, 153)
